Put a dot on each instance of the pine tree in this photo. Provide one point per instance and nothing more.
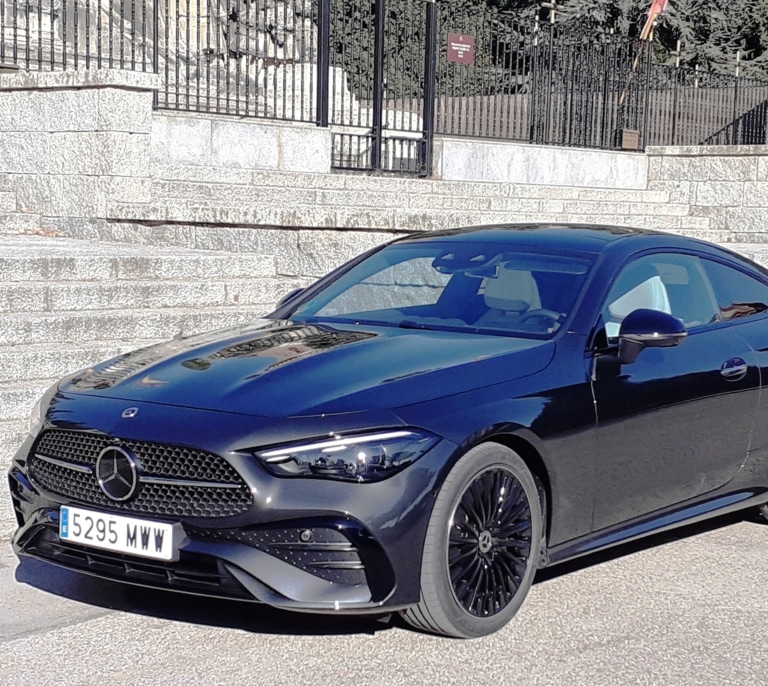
(711, 33)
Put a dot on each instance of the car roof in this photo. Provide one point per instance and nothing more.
(579, 237)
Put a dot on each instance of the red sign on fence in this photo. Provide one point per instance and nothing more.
(461, 48)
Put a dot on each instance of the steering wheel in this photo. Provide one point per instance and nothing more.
(542, 312)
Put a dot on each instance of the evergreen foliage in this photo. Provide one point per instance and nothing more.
(711, 32)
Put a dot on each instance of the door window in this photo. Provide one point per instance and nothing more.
(666, 282)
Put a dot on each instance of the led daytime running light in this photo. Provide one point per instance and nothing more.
(283, 454)
(359, 458)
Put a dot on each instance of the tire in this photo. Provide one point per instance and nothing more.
(473, 582)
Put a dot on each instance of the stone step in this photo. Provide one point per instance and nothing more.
(752, 238)
(190, 182)
(12, 434)
(50, 360)
(41, 296)
(406, 220)
(657, 223)
(18, 397)
(719, 236)
(7, 201)
(178, 196)
(14, 223)
(37, 258)
(756, 253)
(118, 326)
(303, 252)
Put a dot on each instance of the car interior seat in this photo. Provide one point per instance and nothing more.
(508, 295)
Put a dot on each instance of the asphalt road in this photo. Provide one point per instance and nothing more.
(688, 608)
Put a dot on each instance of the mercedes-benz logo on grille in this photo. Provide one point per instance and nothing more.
(117, 472)
(130, 413)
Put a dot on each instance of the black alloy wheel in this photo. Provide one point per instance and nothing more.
(482, 545)
(489, 542)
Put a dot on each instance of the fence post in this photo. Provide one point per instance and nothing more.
(323, 60)
(378, 82)
(534, 76)
(647, 104)
(735, 120)
(550, 67)
(676, 95)
(430, 87)
(155, 48)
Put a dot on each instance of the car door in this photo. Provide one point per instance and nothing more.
(676, 423)
(742, 297)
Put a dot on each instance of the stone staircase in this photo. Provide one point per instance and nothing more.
(206, 252)
(239, 198)
(12, 221)
(66, 304)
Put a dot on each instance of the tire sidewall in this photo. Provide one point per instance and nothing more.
(435, 576)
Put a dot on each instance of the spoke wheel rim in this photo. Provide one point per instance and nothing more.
(489, 542)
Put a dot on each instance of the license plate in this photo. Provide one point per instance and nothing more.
(117, 533)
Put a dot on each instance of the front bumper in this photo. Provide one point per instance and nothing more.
(302, 544)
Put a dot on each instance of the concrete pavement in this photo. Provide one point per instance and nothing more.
(688, 608)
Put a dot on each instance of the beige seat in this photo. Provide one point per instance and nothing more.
(511, 293)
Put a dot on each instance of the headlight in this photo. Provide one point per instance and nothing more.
(369, 457)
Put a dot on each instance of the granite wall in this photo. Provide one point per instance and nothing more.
(85, 154)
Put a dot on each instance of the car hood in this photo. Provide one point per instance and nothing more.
(286, 369)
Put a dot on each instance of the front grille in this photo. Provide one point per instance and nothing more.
(193, 573)
(204, 484)
(321, 551)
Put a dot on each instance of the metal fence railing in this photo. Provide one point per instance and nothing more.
(693, 107)
(51, 35)
(245, 57)
(388, 75)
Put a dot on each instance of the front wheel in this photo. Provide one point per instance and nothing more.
(482, 545)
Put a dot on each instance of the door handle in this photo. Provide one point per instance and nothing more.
(734, 370)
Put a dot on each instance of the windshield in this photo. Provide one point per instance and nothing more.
(484, 288)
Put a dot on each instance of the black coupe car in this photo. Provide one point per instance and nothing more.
(419, 431)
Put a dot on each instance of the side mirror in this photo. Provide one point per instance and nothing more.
(289, 296)
(648, 329)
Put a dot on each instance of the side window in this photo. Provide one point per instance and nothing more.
(667, 282)
(738, 294)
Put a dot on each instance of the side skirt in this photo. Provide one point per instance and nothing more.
(658, 522)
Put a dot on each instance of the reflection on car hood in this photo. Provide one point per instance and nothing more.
(281, 369)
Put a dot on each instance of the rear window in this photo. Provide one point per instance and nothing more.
(738, 294)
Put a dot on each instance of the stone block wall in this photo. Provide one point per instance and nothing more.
(85, 154)
(505, 162)
(726, 184)
(69, 141)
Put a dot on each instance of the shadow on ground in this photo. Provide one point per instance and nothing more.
(181, 607)
(256, 618)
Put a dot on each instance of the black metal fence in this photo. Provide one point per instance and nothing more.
(387, 75)
(54, 35)
(255, 58)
